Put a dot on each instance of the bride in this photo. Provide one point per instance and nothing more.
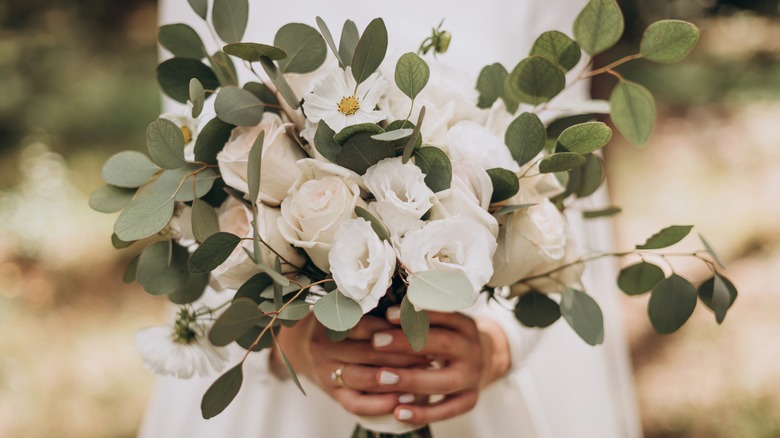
(528, 383)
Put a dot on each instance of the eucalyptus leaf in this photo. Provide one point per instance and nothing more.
(639, 278)
(666, 237)
(201, 7)
(270, 290)
(490, 84)
(535, 309)
(534, 80)
(585, 137)
(224, 69)
(166, 144)
(633, 111)
(197, 97)
(436, 166)
(222, 392)
(414, 139)
(305, 48)
(248, 339)
(525, 137)
(505, 184)
(350, 131)
(370, 50)
(187, 182)
(211, 140)
(190, 291)
(253, 52)
(144, 217)
(181, 40)
(262, 92)
(325, 143)
(132, 270)
(583, 315)
(175, 74)
(586, 179)
(394, 135)
(213, 252)
(277, 78)
(290, 369)
(377, 225)
(441, 291)
(414, 324)
(337, 312)
(254, 287)
(156, 274)
(204, 220)
(128, 169)
(561, 162)
(718, 293)
(234, 321)
(110, 199)
(671, 304)
(118, 243)
(605, 212)
(711, 251)
(411, 74)
(558, 48)
(348, 42)
(295, 310)
(335, 336)
(238, 107)
(230, 18)
(325, 31)
(599, 26)
(668, 41)
(253, 169)
(361, 152)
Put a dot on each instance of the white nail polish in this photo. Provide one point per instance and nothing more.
(404, 414)
(388, 378)
(394, 313)
(382, 339)
(406, 398)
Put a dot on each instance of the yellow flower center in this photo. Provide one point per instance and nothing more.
(187, 133)
(349, 105)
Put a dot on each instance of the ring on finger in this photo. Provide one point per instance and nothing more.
(336, 376)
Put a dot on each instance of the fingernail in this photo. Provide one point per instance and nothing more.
(388, 378)
(394, 313)
(406, 398)
(404, 414)
(382, 339)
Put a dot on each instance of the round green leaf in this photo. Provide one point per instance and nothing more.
(254, 287)
(668, 41)
(352, 130)
(414, 324)
(253, 52)
(295, 311)
(599, 26)
(110, 199)
(505, 184)
(201, 7)
(166, 144)
(241, 316)
(535, 80)
(224, 69)
(666, 237)
(361, 152)
(436, 166)
(718, 293)
(197, 97)
(213, 252)
(441, 291)
(144, 217)
(204, 220)
(558, 48)
(305, 48)
(370, 50)
(632, 111)
(337, 312)
(325, 143)
(535, 309)
(247, 339)
(583, 315)
(118, 243)
(191, 290)
(585, 137)
(211, 140)
(639, 278)
(230, 18)
(131, 271)
(490, 84)
(586, 179)
(128, 169)
(238, 107)
(156, 275)
(349, 41)
(174, 77)
(671, 304)
(222, 392)
(525, 137)
(411, 74)
(181, 40)
(182, 179)
(561, 162)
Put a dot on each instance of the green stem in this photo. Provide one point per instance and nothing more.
(610, 66)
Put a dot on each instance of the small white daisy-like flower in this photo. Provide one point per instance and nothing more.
(189, 130)
(180, 351)
(340, 102)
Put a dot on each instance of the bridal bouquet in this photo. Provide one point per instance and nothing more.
(341, 182)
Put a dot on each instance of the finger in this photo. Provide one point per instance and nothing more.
(452, 406)
(367, 326)
(450, 379)
(440, 342)
(362, 353)
(363, 378)
(365, 404)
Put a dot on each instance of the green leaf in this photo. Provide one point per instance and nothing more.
(349, 41)
(242, 315)
(325, 144)
(190, 185)
(585, 137)
(262, 92)
(132, 270)
(606, 212)
(534, 80)
(561, 162)
(247, 339)
(361, 152)
(512, 208)
(174, 77)
(229, 18)
(490, 84)
(583, 315)
(204, 220)
(668, 41)
(252, 52)
(335, 336)
(535, 309)
(325, 31)
(376, 224)
(238, 107)
(181, 40)
(290, 369)
(414, 139)
(505, 184)
(156, 274)
(599, 26)
(633, 111)
(118, 243)
(144, 217)
(370, 50)
(666, 237)
(411, 74)
(525, 137)
(201, 7)
(558, 48)
(710, 250)
(436, 166)
(394, 135)
(191, 290)
(353, 130)
(213, 252)
(254, 287)
(128, 169)
(253, 168)
(269, 290)
(337, 312)
(718, 293)
(671, 304)
(639, 278)
(211, 140)
(110, 199)
(441, 291)
(586, 179)
(166, 144)
(276, 77)
(295, 311)
(222, 392)
(305, 48)
(197, 97)
(414, 324)
(224, 69)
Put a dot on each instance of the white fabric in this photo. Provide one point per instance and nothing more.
(562, 388)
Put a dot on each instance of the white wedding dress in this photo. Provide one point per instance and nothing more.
(559, 386)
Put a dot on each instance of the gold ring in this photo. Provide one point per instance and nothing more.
(336, 376)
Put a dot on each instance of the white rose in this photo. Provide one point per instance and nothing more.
(402, 197)
(236, 218)
(453, 244)
(472, 142)
(362, 264)
(280, 153)
(469, 196)
(322, 198)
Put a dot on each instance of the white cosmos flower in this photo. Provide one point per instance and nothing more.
(340, 102)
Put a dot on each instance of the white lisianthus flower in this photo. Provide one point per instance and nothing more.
(340, 102)
(472, 142)
(278, 168)
(469, 195)
(189, 130)
(362, 264)
(402, 197)
(320, 200)
(236, 218)
(457, 243)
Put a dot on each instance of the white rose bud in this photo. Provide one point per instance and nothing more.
(362, 264)
(280, 153)
(471, 142)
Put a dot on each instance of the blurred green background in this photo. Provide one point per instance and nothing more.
(77, 84)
